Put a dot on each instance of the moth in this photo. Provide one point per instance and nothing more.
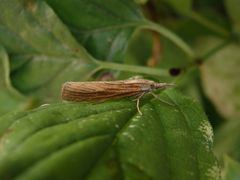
(105, 90)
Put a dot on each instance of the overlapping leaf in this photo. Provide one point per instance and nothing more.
(109, 140)
(44, 53)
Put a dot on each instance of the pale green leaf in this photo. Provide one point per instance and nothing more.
(220, 76)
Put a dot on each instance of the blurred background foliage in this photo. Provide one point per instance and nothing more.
(198, 49)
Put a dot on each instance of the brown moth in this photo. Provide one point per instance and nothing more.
(105, 90)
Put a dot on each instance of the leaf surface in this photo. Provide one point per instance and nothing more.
(109, 140)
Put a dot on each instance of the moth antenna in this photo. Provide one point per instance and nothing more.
(164, 85)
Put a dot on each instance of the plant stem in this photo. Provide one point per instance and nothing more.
(133, 68)
(207, 55)
(208, 24)
(170, 35)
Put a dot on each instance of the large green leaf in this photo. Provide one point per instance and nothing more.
(44, 53)
(220, 76)
(10, 98)
(102, 26)
(109, 140)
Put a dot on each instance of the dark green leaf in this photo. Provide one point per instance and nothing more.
(102, 26)
(109, 140)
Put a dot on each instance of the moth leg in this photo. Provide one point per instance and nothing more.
(138, 101)
(154, 95)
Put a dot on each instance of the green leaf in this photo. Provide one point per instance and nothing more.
(109, 140)
(220, 75)
(105, 27)
(232, 7)
(12, 99)
(102, 26)
(231, 169)
(48, 56)
(227, 140)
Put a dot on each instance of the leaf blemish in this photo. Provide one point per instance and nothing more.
(176, 110)
(128, 135)
(132, 126)
(206, 129)
(136, 118)
(213, 171)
